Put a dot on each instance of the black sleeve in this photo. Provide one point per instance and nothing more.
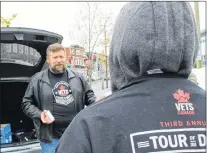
(75, 138)
(28, 105)
(89, 93)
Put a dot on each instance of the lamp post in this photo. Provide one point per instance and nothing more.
(106, 56)
(196, 11)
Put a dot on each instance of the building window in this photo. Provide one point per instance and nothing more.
(14, 48)
(77, 61)
(26, 51)
(35, 54)
(78, 52)
(74, 60)
(8, 48)
(31, 51)
(73, 51)
(21, 49)
(3, 48)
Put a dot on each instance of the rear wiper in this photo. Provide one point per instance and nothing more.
(8, 60)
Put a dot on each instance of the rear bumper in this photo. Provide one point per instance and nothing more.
(28, 148)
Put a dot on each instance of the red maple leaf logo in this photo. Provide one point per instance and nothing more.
(61, 87)
(181, 96)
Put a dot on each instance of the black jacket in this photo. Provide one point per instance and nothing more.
(38, 97)
(155, 115)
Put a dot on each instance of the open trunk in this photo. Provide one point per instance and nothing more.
(21, 126)
(23, 53)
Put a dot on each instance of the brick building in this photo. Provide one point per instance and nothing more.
(75, 58)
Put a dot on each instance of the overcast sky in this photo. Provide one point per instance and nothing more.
(50, 16)
(57, 16)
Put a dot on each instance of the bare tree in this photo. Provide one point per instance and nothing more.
(90, 27)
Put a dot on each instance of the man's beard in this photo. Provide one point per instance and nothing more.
(55, 71)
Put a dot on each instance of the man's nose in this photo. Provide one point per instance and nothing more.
(59, 59)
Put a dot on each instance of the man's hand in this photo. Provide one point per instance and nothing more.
(45, 119)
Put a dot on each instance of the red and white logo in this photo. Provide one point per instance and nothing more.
(63, 91)
(183, 105)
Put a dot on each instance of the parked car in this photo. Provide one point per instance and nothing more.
(15, 75)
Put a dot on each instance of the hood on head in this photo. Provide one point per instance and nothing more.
(152, 35)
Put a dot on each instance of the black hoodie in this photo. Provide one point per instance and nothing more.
(149, 110)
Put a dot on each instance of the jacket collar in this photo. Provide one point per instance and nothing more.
(45, 77)
(152, 76)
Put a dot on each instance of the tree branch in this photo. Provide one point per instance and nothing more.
(98, 37)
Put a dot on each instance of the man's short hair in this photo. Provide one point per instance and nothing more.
(54, 47)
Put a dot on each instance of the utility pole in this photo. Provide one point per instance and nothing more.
(196, 11)
(106, 56)
(89, 42)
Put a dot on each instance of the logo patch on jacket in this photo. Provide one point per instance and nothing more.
(183, 106)
(169, 141)
(62, 93)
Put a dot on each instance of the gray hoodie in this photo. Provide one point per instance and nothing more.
(148, 113)
(152, 35)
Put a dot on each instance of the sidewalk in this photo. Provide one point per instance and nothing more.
(97, 88)
(200, 74)
(97, 85)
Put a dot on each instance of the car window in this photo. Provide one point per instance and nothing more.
(20, 54)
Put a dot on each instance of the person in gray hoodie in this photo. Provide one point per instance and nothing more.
(153, 106)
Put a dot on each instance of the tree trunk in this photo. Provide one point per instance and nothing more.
(106, 57)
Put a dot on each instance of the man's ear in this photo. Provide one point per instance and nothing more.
(47, 60)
